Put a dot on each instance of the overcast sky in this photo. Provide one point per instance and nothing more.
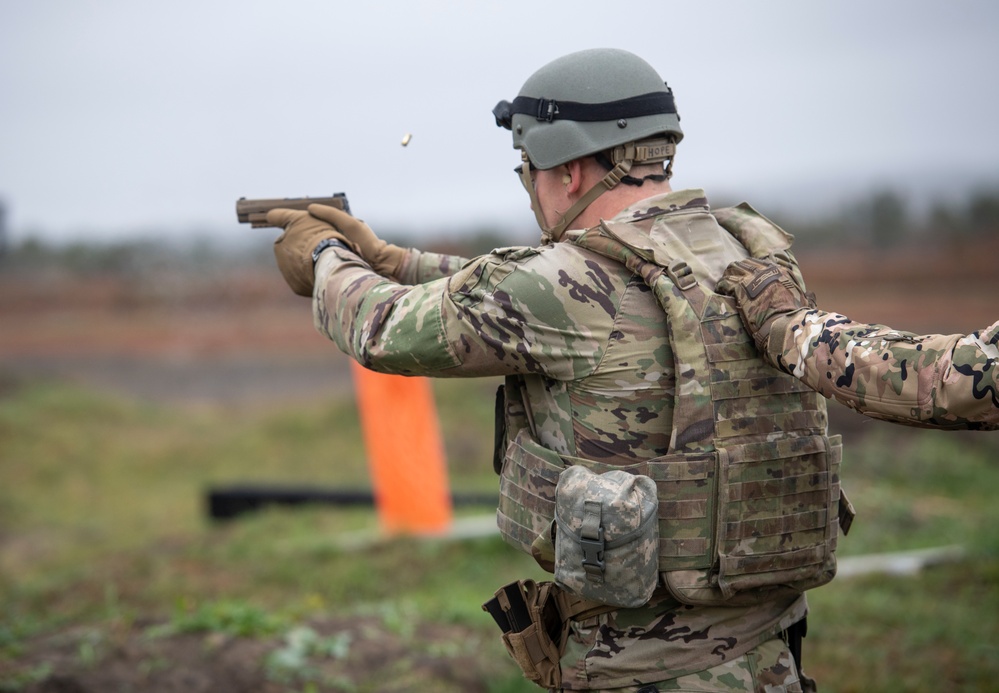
(125, 117)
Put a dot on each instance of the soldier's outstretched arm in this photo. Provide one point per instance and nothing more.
(504, 313)
(482, 320)
(934, 381)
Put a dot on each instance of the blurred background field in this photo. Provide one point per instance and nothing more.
(133, 377)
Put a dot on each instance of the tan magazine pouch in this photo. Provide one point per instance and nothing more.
(534, 630)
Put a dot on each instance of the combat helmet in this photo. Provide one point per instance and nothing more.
(601, 100)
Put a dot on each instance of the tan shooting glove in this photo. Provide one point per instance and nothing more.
(763, 291)
(385, 259)
(294, 249)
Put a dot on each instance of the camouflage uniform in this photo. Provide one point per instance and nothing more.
(939, 381)
(589, 340)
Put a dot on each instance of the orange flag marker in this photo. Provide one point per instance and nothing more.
(405, 451)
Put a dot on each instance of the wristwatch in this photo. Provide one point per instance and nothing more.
(323, 245)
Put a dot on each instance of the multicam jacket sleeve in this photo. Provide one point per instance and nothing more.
(420, 266)
(933, 381)
(512, 311)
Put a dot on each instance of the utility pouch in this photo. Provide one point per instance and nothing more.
(607, 536)
(534, 631)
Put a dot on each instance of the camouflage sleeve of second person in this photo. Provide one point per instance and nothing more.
(933, 381)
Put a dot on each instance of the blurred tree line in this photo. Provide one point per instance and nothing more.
(883, 219)
(202, 255)
(887, 219)
(126, 257)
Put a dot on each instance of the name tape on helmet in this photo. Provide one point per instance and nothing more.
(647, 151)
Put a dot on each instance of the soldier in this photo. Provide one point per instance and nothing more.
(688, 571)
(932, 381)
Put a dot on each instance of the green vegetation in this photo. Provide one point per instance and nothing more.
(103, 536)
(936, 630)
(225, 617)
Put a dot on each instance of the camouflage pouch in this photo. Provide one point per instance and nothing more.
(607, 536)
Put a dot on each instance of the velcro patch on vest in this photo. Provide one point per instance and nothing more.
(762, 280)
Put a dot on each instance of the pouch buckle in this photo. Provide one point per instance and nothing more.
(593, 553)
(591, 541)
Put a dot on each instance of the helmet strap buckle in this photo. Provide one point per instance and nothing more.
(547, 110)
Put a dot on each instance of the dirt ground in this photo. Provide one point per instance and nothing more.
(372, 658)
(244, 340)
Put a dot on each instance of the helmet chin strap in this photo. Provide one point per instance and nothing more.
(554, 233)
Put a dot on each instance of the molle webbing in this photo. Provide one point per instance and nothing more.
(776, 484)
(749, 489)
(527, 490)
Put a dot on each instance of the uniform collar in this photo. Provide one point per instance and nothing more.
(692, 198)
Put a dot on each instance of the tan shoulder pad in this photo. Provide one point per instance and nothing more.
(759, 235)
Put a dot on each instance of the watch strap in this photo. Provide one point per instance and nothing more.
(323, 245)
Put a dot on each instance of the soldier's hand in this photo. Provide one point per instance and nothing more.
(763, 291)
(293, 249)
(385, 259)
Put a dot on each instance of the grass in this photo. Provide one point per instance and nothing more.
(935, 631)
(103, 528)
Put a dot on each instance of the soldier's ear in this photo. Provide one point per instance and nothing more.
(572, 177)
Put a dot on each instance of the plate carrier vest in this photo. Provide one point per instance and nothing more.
(749, 496)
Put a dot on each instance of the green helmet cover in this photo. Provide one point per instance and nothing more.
(588, 102)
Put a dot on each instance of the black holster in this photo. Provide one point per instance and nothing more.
(793, 637)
